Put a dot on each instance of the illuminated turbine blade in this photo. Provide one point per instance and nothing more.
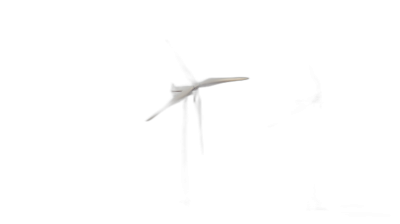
(178, 98)
(215, 81)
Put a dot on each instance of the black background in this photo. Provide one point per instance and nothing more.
(103, 79)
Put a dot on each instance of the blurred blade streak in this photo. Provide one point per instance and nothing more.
(185, 175)
(317, 98)
(183, 65)
(315, 79)
(312, 100)
(273, 125)
(176, 98)
(215, 81)
(300, 108)
(198, 107)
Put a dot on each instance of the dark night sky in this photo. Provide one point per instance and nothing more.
(112, 80)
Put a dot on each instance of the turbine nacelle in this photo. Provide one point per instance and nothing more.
(181, 92)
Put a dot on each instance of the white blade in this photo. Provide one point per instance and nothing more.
(185, 173)
(300, 108)
(183, 66)
(215, 81)
(197, 100)
(315, 79)
(317, 98)
(273, 125)
(177, 97)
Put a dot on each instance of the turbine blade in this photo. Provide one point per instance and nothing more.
(273, 125)
(198, 107)
(185, 174)
(317, 98)
(315, 79)
(187, 72)
(215, 81)
(299, 108)
(178, 97)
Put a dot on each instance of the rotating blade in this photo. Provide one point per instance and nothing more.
(215, 81)
(185, 174)
(302, 104)
(198, 107)
(316, 80)
(317, 98)
(187, 72)
(176, 98)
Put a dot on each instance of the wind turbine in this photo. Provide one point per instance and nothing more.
(180, 93)
(314, 203)
(311, 101)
